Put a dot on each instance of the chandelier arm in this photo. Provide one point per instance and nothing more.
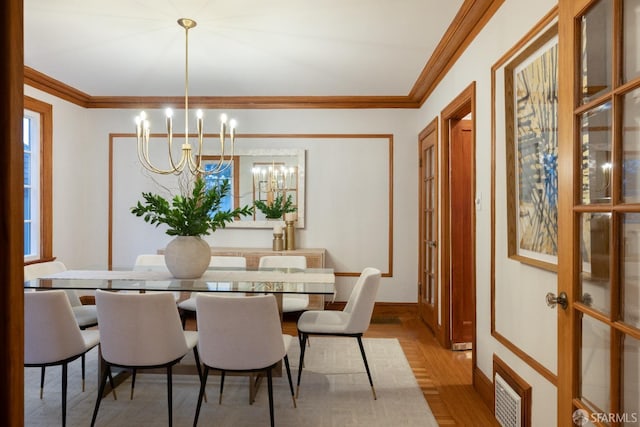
(143, 157)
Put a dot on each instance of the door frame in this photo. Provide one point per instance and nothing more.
(431, 130)
(462, 105)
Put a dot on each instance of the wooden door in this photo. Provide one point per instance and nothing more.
(461, 212)
(599, 213)
(428, 251)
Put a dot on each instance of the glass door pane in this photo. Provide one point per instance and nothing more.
(630, 259)
(594, 361)
(430, 218)
(595, 276)
(595, 128)
(631, 147)
(596, 51)
(631, 382)
(630, 37)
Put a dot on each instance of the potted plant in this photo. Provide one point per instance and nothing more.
(277, 208)
(189, 216)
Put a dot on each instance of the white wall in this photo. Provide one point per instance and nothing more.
(81, 171)
(523, 316)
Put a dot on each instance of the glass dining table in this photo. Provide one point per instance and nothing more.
(277, 281)
(222, 280)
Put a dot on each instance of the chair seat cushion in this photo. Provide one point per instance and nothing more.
(287, 341)
(188, 304)
(86, 315)
(323, 322)
(291, 303)
(192, 338)
(91, 337)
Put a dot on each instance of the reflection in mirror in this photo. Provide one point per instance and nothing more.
(276, 185)
(263, 174)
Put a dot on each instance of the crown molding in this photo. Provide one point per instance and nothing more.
(55, 87)
(470, 19)
(467, 24)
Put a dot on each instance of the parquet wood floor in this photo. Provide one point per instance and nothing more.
(443, 375)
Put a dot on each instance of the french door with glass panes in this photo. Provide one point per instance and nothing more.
(599, 208)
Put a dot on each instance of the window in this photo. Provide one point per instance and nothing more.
(31, 140)
(37, 146)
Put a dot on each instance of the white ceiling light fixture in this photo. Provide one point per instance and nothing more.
(187, 161)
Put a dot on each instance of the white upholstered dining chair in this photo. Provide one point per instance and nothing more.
(141, 331)
(290, 302)
(52, 336)
(353, 321)
(85, 315)
(240, 335)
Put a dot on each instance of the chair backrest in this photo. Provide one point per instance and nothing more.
(150, 261)
(139, 329)
(51, 333)
(42, 269)
(283, 261)
(239, 333)
(228, 261)
(361, 301)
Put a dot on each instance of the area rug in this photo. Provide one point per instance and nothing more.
(334, 391)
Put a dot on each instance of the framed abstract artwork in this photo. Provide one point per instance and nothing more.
(531, 134)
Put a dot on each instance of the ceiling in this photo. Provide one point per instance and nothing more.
(124, 48)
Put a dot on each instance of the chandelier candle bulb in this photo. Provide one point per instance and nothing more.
(199, 122)
(169, 114)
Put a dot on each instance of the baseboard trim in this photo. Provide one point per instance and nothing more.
(382, 308)
(484, 386)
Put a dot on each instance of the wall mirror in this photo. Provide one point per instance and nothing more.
(263, 174)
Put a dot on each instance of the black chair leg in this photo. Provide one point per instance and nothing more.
(133, 382)
(366, 366)
(183, 318)
(203, 383)
(286, 364)
(83, 364)
(222, 374)
(103, 382)
(170, 395)
(113, 384)
(42, 381)
(196, 356)
(303, 346)
(64, 394)
(270, 386)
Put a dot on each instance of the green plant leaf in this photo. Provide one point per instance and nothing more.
(194, 214)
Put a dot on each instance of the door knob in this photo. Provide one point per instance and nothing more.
(553, 300)
(431, 243)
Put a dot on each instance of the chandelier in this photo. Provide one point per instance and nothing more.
(186, 160)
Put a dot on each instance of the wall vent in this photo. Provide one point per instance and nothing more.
(507, 404)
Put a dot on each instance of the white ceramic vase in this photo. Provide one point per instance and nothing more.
(187, 257)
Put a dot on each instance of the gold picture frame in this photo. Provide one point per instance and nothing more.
(531, 137)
